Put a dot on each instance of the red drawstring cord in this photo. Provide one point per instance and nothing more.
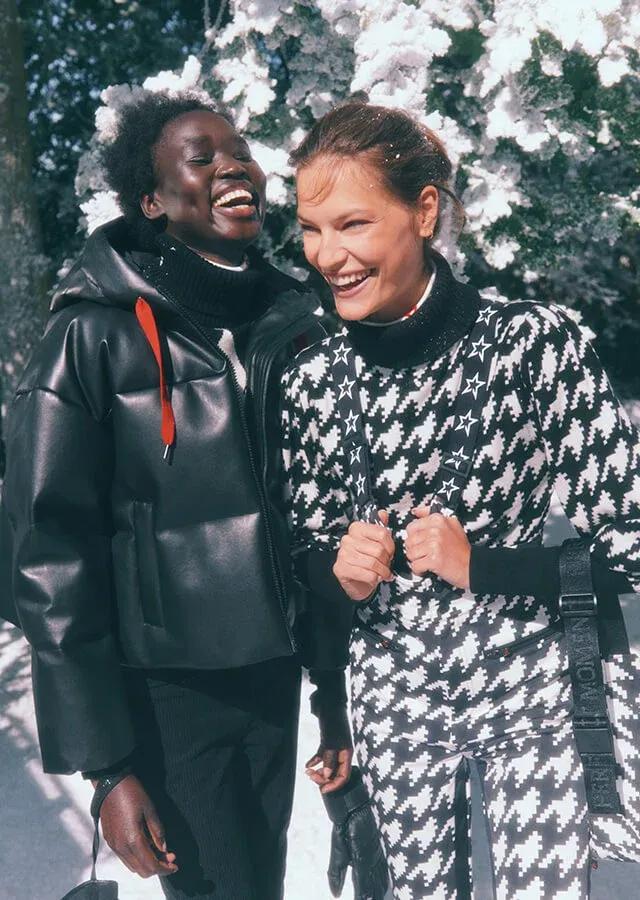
(146, 320)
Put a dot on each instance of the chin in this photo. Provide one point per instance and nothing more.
(352, 313)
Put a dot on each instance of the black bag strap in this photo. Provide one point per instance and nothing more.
(467, 418)
(591, 724)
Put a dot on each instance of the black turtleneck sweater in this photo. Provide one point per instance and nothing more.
(214, 297)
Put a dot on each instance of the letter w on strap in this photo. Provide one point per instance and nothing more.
(591, 725)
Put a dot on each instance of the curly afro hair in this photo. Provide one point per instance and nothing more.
(128, 159)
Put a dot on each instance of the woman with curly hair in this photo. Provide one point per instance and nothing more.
(150, 559)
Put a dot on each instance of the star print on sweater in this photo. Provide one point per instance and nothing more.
(551, 422)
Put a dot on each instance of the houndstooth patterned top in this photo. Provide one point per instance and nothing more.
(551, 423)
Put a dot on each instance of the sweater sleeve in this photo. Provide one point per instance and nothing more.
(590, 446)
(531, 569)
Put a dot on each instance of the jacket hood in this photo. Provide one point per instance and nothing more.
(107, 272)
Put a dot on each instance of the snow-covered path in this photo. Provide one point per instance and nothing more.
(45, 829)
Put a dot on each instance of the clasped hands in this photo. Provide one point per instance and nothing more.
(435, 544)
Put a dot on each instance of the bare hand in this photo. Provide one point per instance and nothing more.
(364, 558)
(438, 544)
(132, 829)
(330, 769)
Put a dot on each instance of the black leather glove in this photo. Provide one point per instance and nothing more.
(355, 842)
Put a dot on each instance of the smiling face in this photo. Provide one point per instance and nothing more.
(368, 244)
(208, 186)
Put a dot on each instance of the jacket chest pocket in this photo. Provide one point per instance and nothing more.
(147, 564)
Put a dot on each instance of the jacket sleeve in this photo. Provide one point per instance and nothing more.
(57, 498)
(590, 446)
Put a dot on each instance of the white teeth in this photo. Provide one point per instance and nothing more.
(230, 196)
(344, 280)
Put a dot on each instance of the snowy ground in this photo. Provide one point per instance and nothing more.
(45, 830)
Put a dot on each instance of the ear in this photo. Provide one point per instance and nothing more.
(151, 206)
(428, 209)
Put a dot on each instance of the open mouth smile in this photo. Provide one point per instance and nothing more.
(237, 202)
(349, 284)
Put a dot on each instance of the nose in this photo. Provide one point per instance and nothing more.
(230, 167)
(330, 254)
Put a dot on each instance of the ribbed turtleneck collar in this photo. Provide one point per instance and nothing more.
(447, 315)
(216, 297)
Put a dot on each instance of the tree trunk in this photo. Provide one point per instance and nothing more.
(23, 267)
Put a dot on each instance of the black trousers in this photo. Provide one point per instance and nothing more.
(217, 754)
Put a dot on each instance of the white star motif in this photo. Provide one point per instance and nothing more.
(456, 459)
(465, 423)
(351, 422)
(360, 480)
(473, 385)
(355, 454)
(345, 388)
(485, 315)
(448, 487)
(341, 354)
(479, 348)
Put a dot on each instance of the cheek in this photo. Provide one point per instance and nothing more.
(259, 180)
(310, 247)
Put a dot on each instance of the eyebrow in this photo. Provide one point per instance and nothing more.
(204, 140)
(352, 214)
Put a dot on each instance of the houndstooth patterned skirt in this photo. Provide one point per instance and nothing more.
(426, 700)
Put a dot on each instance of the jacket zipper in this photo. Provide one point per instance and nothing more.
(380, 639)
(555, 629)
(275, 568)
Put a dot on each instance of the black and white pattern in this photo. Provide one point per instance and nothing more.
(438, 680)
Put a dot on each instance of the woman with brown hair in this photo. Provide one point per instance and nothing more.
(423, 443)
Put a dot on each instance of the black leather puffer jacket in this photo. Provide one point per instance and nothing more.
(121, 555)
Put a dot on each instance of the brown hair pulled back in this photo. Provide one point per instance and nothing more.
(407, 156)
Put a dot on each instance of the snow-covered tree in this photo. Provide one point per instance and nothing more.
(537, 102)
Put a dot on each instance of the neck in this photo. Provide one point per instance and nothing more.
(406, 304)
(225, 253)
(229, 258)
(446, 315)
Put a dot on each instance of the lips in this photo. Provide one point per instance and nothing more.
(236, 200)
(348, 283)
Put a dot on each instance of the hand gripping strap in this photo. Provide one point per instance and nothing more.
(591, 725)
(102, 790)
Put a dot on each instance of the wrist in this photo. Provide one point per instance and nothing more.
(103, 787)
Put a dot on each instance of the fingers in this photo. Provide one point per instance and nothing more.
(368, 531)
(156, 831)
(133, 830)
(383, 515)
(428, 531)
(314, 770)
(138, 856)
(329, 764)
(350, 557)
(341, 774)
